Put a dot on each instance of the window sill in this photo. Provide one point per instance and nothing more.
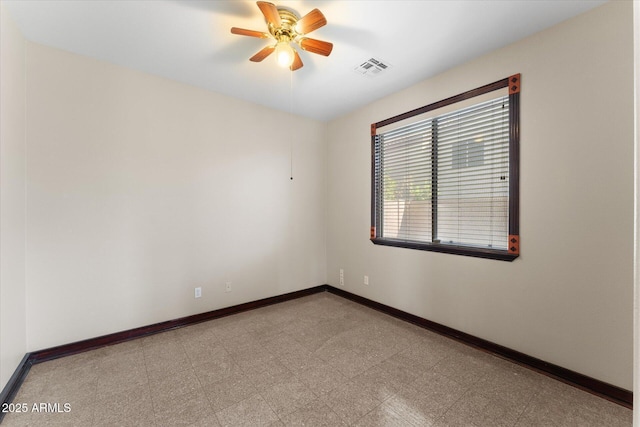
(496, 254)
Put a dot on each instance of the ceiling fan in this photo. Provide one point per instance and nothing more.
(287, 27)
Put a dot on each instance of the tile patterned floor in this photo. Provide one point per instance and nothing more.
(316, 361)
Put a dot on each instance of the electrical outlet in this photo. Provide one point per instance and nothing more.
(366, 280)
(198, 292)
(341, 277)
(227, 287)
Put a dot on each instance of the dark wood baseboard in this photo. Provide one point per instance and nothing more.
(607, 391)
(119, 337)
(597, 387)
(13, 386)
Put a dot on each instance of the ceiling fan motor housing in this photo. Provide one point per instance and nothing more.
(287, 29)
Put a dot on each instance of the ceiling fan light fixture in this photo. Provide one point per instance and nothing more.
(284, 54)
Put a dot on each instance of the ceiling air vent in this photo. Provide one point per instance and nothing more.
(372, 67)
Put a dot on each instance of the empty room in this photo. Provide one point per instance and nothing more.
(372, 213)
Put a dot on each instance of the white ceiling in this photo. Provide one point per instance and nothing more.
(190, 41)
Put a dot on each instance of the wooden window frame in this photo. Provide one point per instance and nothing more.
(513, 250)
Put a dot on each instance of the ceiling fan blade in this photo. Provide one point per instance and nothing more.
(316, 46)
(270, 12)
(297, 62)
(311, 21)
(250, 33)
(262, 54)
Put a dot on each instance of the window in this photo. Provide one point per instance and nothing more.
(445, 176)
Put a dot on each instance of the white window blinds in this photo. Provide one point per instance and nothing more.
(444, 180)
(473, 175)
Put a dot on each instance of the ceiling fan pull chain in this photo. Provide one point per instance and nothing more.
(291, 117)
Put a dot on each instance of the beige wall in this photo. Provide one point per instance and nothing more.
(568, 299)
(12, 198)
(139, 189)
